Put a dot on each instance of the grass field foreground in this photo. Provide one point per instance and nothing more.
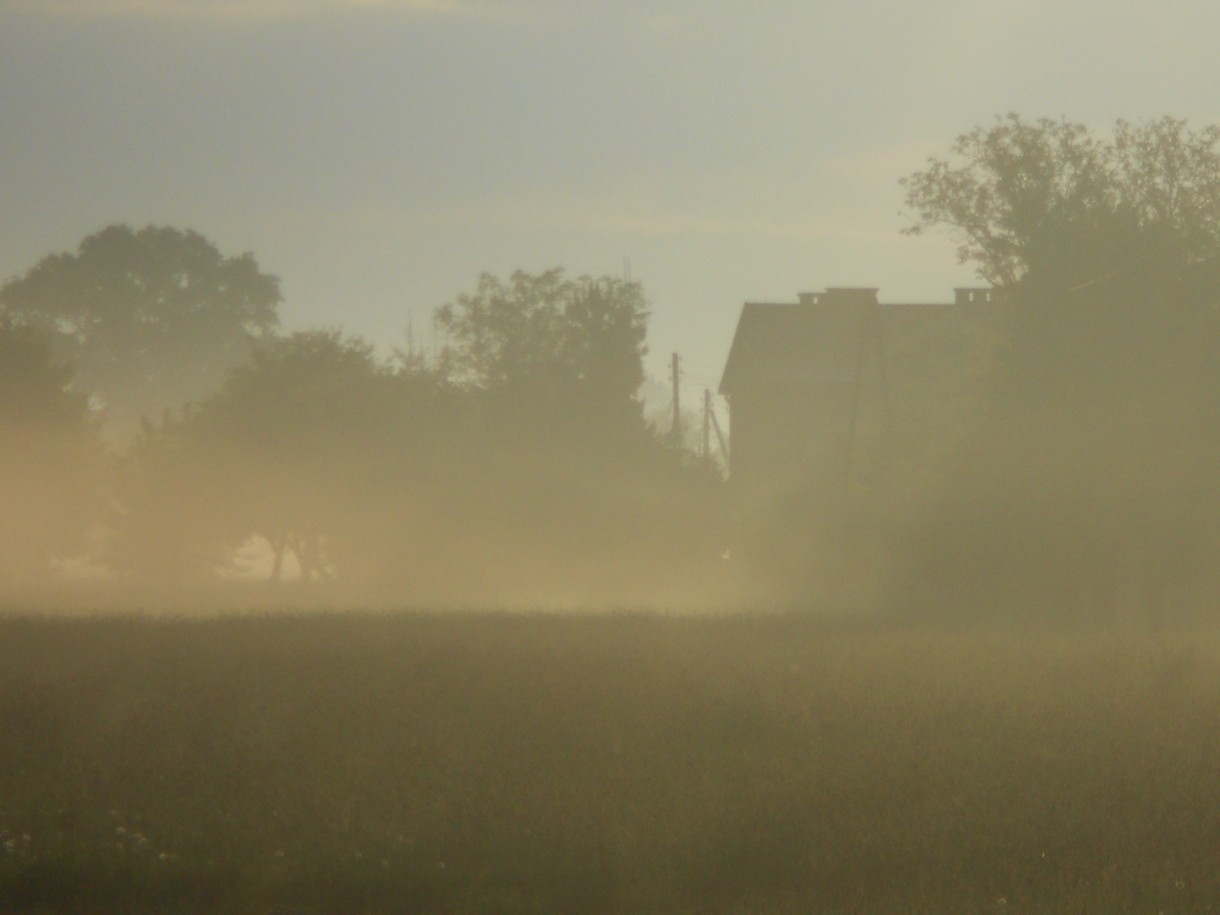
(617, 763)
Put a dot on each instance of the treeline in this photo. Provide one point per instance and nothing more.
(1053, 455)
(1086, 487)
(159, 427)
(1058, 462)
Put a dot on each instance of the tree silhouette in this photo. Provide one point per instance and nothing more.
(564, 352)
(151, 318)
(1051, 201)
(562, 482)
(309, 447)
(517, 464)
(1091, 482)
(299, 428)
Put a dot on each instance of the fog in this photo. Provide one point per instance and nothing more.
(1039, 446)
(932, 627)
(513, 469)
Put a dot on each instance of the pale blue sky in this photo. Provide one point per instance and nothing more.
(378, 155)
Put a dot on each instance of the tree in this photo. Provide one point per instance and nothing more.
(567, 351)
(151, 318)
(515, 467)
(561, 486)
(302, 430)
(1091, 479)
(313, 446)
(50, 471)
(1050, 200)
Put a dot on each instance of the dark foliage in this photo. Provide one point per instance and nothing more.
(516, 467)
(152, 318)
(1089, 485)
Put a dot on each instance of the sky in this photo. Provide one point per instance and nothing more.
(378, 155)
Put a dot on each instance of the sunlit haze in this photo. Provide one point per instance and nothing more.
(356, 554)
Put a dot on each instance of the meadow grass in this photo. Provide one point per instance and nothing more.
(361, 763)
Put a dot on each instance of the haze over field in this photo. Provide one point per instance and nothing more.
(368, 305)
(537, 203)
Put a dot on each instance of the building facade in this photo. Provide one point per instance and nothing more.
(839, 385)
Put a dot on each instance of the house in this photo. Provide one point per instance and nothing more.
(838, 385)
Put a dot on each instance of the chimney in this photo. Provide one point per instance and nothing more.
(840, 296)
(972, 295)
(850, 295)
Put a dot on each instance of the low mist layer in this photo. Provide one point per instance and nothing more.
(1048, 450)
(513, 468)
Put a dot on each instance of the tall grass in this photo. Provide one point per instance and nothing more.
(471, 763)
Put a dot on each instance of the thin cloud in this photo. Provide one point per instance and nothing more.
(237, 11)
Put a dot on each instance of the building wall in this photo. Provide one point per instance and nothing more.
(836, 399)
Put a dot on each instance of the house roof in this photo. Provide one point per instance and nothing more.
(817, 340)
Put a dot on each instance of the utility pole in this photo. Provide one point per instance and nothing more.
(883, 368)
(724, 446)
(706, 451)
(412, 360)
(675, 430)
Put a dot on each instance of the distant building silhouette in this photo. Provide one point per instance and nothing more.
(834, 384)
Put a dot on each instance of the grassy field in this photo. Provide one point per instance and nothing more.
(634, 764)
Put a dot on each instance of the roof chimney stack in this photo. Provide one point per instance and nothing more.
(850, 295)
(840, 295)
(973, 295)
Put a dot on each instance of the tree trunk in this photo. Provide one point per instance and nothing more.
(278, 545)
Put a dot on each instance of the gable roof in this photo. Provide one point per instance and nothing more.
(780, 344)
(817, 340)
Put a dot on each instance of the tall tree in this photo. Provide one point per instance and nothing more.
(545, 345)
(308, 447)
(1049, 201)
(299, 430)
(152, 318)
(1094, 473)
(563, 483)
